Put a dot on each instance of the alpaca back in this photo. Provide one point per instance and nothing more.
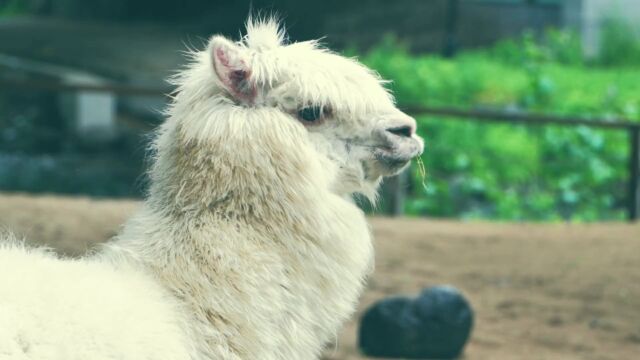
(77, 309)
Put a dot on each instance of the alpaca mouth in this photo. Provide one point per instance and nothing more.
(397, 154)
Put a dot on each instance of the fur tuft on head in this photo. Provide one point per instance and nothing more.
(264, 33)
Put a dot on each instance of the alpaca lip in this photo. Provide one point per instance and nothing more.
(398, 152)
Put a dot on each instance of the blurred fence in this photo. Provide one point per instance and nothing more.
(632, 129)
(397, 185)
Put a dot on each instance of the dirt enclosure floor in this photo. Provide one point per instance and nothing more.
(553, 291)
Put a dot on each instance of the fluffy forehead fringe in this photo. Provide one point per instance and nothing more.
(304, 70)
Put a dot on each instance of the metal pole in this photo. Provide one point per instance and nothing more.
(634, 173)
(397, 193)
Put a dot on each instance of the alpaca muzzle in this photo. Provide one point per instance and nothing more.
(400, 144)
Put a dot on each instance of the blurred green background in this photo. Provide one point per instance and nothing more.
(436, 53)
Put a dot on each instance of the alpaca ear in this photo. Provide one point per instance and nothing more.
(231, 66)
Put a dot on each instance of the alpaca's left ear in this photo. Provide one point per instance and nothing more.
(231, 66)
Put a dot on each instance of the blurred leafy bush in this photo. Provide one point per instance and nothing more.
(620, 45)
(513, 172)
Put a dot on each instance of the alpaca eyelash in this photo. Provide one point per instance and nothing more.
(310, 114)
(313, 114)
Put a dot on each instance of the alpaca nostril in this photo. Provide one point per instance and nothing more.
(402, 131)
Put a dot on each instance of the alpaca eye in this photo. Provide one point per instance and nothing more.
(310, 114)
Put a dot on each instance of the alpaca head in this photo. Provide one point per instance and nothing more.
(334, 104)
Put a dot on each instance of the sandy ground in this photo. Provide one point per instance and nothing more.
(553, 291)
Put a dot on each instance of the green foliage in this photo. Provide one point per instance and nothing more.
(557, 46)
(620, 45)
(502, 171)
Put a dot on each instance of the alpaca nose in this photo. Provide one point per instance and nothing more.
(405, 127)
(402, 131)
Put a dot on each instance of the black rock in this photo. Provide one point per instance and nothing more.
(435, 325)
(381, 325)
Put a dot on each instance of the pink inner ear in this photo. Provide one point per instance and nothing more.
(235, 76)
(222, 57)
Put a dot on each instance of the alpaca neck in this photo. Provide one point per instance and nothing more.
(227, 220)
(264, 169)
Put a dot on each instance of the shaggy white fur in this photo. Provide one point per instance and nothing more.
(249, 245)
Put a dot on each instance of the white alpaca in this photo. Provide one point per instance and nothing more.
(249, 245)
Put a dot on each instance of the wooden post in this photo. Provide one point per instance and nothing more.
(634, 173)
(396, 193)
